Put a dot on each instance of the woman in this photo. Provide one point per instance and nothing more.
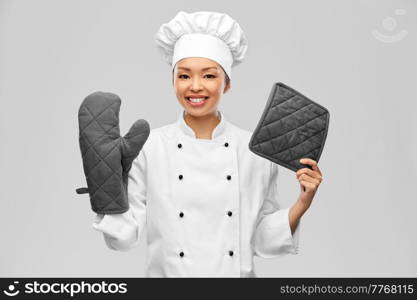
(209, 204)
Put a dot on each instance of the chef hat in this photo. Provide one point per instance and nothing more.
(211, 35)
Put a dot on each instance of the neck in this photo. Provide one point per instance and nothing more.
(203, 126)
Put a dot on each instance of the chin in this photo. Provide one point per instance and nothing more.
(194, 113)
(198, 113)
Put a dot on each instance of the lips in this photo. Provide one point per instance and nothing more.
(196, 96)
(197, 104)
(200, 97)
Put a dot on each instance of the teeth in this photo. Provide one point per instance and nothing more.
(196, 100)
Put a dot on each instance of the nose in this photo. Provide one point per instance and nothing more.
(196, 84)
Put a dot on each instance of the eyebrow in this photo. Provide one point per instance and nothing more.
(187, 69)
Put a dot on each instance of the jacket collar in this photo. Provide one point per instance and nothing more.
(218, 131)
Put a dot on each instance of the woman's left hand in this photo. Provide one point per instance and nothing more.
(309, 181)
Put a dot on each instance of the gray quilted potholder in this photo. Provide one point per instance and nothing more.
(291, 127)
(107, 157)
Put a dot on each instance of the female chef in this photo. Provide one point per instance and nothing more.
(209, 203)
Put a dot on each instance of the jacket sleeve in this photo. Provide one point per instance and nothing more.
(272, 237)
(122, 231)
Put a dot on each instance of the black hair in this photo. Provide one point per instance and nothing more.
(227, 79)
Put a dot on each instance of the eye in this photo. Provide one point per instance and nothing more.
(183, 76)
(210, 75)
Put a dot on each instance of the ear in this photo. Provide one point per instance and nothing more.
(227, 87)
(173, 76)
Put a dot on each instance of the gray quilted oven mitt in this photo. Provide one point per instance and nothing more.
(107, 157)
(291, 127)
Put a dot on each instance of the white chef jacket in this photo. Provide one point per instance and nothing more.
(209, 205)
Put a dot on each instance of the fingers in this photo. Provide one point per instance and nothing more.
(310, 173)
(312, 163)
(309, 179)
(308, 185)
(314, 176)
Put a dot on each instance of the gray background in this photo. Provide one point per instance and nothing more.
(54, 53)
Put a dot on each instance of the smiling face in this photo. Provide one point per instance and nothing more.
(199, 84)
